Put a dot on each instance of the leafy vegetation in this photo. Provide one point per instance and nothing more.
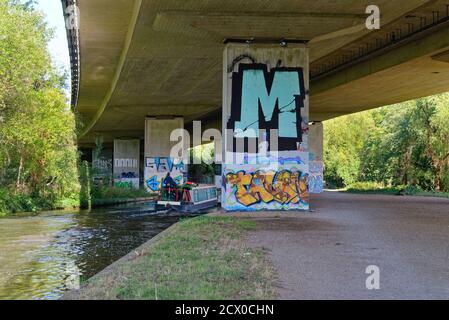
(403, 147)
(38, 154)
(201, 258)
(202, 167)
(104, 195)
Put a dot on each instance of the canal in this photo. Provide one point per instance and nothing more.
(43, 255)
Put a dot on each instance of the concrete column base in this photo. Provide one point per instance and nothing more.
(158, 158)
(126, 163)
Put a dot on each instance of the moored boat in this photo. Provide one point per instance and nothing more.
(189, 198)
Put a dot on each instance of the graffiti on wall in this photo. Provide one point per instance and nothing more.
(102, 167)
(316, 180)
(122, 184)
(261, 187)
(264, 100)
(126, 179)
(156, 169)
(283, 187)
(126, 163)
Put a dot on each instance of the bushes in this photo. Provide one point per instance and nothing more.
(13, 202)
(38, 153)
(399, 145)
(374, 187)
(106, 192)
(85, 198)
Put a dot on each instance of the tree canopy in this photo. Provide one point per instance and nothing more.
(38, 154)
(405, 144)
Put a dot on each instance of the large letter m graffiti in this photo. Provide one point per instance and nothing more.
(267, 100)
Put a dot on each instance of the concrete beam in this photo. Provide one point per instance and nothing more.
(428, 43)
(132, 25)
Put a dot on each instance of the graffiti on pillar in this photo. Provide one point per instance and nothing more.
(156, 169)
(122, 184)
(283, 187)
(266, 99)
(102, 167)
(126, 163)
(126, 179)
(316, 179)
(256, 189)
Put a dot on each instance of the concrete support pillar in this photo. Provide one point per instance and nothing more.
(126, 163)
(265, 127)
(102, 166)
(316, 164)
(159, 156)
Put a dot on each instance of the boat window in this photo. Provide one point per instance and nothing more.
(204, 194)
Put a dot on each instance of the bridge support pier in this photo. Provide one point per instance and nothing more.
(165, 152)
(126, 163)
(265, 127)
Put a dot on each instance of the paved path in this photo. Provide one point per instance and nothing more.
(323, 255)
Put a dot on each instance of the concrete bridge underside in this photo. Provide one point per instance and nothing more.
(161, 58)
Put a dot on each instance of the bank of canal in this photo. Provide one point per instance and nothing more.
(43, 255)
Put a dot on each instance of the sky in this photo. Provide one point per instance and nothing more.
(58, 45)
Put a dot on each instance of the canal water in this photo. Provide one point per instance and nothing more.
(46, 254)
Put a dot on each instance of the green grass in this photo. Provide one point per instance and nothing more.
(373, 188)
(200, 258)
(388, 191)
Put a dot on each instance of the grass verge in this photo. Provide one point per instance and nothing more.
(371, 188)
(201, 258)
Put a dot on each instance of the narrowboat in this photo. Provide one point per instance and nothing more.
(189, 198)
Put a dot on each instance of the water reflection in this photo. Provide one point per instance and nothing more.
(41, 256)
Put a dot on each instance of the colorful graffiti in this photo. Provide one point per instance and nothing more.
(316, 180)
(267, 101)
(284, 187)
(126, 163)
(155, 183)
(127, 180)
(156, 169)
(124, 184)
(102, 167)
(263, 100)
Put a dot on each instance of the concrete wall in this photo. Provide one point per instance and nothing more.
(102, 166)
(158, 160)
(126, 163)
(265, 89)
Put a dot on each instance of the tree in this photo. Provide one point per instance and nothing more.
(343, 144)
(38, 154)
(403, 144)
(438, 146)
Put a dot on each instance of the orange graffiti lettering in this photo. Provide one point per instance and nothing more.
(283, 187)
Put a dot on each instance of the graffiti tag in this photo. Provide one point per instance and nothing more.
(283, 187)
